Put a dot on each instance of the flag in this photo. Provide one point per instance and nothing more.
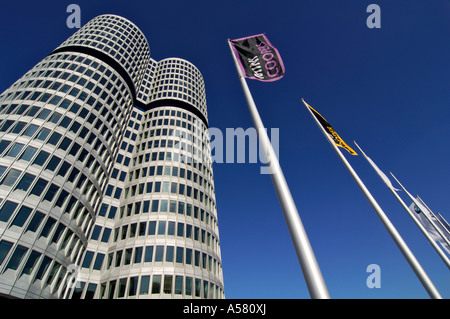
(329, 129)
(258, 58)
(380, 173)
(420, 210)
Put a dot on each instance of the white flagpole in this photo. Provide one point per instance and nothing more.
(423, 209)
(433, 214)
(311, 271)
(402, 203)
(409, 256)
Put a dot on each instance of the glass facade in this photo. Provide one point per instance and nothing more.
(106, 166)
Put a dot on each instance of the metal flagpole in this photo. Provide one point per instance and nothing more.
(414, 218)
(433, 214)
(424, 214)
(311, 271)
(421, 274)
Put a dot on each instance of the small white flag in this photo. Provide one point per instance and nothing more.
(419, 210)
(379, 172)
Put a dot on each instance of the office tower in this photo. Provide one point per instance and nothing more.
(106, 174)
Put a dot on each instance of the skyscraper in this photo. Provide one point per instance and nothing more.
(106, 174)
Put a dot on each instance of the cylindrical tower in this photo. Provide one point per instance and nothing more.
(163, 241)
(61, 127)
(92, 187)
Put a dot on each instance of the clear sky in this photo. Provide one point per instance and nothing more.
(387, 88)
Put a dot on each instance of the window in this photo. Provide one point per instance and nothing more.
(142, 227)
(205, 289)
(64, 169)
(47, 227)
(197, 287)
(163, 207)
(128, 253)
(188, 256)
(122, 286)
(137, 255)
(155, 204)
(161, 227)
(43, 133)
(39, 187)
(22, 216)
(15, 150)
(179, 257)
(65, 143)
(90, 291)
(197, 258)
(16, 258)
(54, 162)
(188, 288)
(169, 253)
(3, 145)
(7, 210)
(148, 254)
(35, 221)
(178, 285)
(159, 253)
(156, 284)
(99, 261)
(28, 154)
(4, 249)
(106, 234)
(151, 227)
(54, 138)
(145, 283)
(168, 284)
(59, 230)
(31, 262)
(25, 182)
(132, 286)
(173, 206)
(41, 158)
(11, 177)
(96, 232)
(19, 126)
(43, 268)
(51, 192)
(171, 228)
(87, 259)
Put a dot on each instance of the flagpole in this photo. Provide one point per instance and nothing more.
(433, 214)
(414, 218)
(424, 213)
(411, 259)
(311, 271)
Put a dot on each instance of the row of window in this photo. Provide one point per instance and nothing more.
(14, 178)
(158, 205)
(46, 191)
(62, 121)
(118, 40)
(32, 263)
(43, 158)
(36, 222)
(142, 286)
(146, 254)
(193, 140)
(165, 188)
(169, 228)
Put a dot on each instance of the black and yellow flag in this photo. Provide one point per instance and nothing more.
(329, 129)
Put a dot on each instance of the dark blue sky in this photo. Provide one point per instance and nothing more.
(386, 88)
